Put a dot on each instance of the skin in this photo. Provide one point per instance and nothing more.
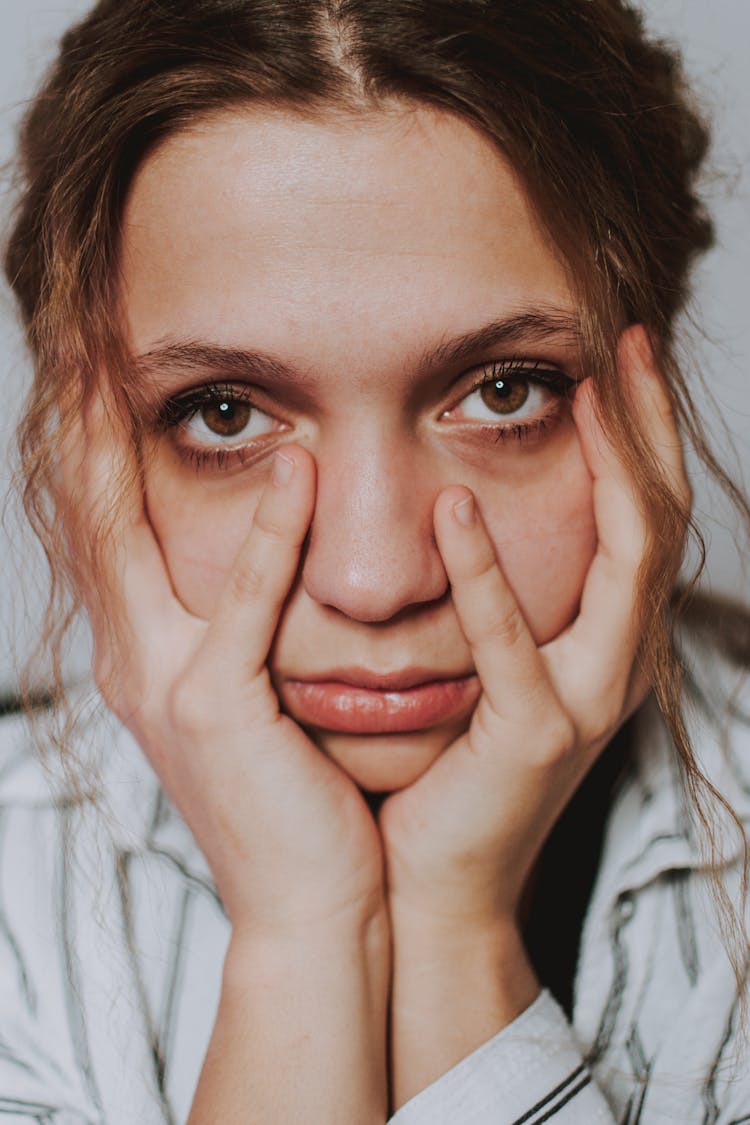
(514, 561)
(415, 231)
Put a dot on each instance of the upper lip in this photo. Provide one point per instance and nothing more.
(400, 680)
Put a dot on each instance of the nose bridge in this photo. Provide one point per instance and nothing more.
(372, 551)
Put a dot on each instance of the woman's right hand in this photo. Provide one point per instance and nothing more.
(287, 835)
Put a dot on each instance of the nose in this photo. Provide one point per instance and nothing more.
(372, 551)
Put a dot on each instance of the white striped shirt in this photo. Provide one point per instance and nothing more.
(112, 939)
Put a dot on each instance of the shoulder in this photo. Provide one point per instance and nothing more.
(713, 643)
(670, 813)
(714, 648)
(80, 772)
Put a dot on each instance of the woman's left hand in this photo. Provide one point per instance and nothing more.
(461, 841)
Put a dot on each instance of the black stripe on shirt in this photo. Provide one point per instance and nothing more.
(190, 877)
(167, 1025)
(67, 922)
(530, 1118)
(123, 873)
(617, 989)
(709, 1090)
(641, 1072)
(22, 976)
(555, 1109)
(16, 1106)
(686, 929)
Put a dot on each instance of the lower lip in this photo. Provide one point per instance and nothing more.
(341, 707)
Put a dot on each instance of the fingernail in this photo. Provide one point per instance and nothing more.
(464, 511)
(283, 469)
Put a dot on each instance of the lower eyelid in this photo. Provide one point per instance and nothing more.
(536, 429)
(223, 458)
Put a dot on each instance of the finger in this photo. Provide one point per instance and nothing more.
(594, 658)
(590, 662)
(653, 411)
(126, 586)
(247, 614)
(504, 652)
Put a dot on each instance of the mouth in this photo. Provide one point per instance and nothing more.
(360, 701)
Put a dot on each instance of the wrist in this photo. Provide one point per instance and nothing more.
(445, 960)
(311, 921)
(455, 986)
(365, 929)
(453, 925)
(302, 1022)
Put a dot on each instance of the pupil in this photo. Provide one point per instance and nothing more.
(505, 397)
(226, 418)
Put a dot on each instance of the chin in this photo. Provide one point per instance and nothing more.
(382, 763)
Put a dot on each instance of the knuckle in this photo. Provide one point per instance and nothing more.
(484, 571)
(563, 733)
(603, 725)
(507, 626)
(557, 740)
(601, 712)
(247, 582)
(187, 713)
(269, 526)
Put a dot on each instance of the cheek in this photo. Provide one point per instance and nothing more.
(545, 537)
(542, 525)
(201, 530)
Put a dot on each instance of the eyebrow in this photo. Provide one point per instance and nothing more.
(527, 328)
(530, 327)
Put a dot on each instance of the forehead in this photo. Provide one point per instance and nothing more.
(272, 227)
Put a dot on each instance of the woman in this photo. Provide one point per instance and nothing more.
(356, 428)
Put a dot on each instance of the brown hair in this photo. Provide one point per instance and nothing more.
(593, 115)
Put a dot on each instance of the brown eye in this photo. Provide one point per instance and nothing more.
(226, 417)
(505, 397)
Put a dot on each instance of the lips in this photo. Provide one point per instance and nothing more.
(360, 701)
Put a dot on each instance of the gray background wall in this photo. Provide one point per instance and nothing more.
(714, 37)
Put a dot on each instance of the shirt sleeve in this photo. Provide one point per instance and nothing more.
(530, 1072)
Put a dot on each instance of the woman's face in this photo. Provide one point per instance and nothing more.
(348, 284)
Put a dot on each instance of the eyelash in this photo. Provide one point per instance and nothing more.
(181, 409)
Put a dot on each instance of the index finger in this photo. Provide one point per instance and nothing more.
(505, 654)
(247, 613)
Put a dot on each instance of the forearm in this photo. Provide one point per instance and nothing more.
(452, 991)
(300, 1033)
